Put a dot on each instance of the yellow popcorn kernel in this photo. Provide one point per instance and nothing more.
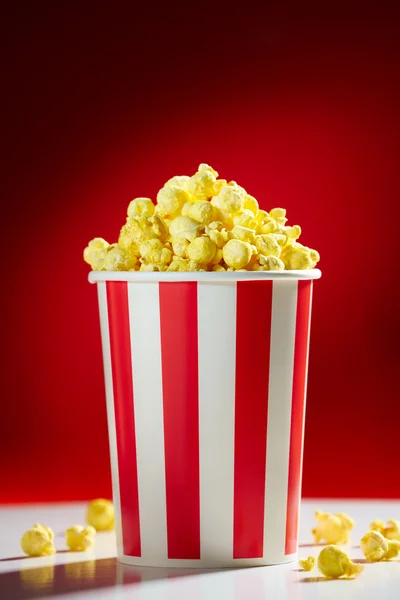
(182, 181)
(307, 563)
(185, 227)
(218, 268)
(179, 265)
(95, 253)
(195, 266)
(202, 211)
(250, 203)
(333, 563)
(282, 239)
(127, 241)
(153, 251)
(142, 228)
(267, 227)
(230, 199)
(392, 530)
(237, 254)
(38, 541)
(204, 184)
(217, 257)
(100, 514)
(180, 247)
(79, 538)
(267, 245)
(315, 257)
(296, 256)
(152, 267)
(279, 214)
(333, 528)
(270, 263)
(242, 233)
(393, 550)
(218, 237)
(245, 218)
(202, 250)
(374, 546)
(293, 232)
(118, 259)
(141, 206)
(377, 525)
(170, 200)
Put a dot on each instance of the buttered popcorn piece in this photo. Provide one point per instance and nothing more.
(237, 254)
(332, 528)
(170, 201)
(391, 530)
(376, 547)
(141, 207)
(95, 253)
(79, 538)
(38, 541)
(100, 514)
(307, 564)
(239, 235)
(333, 563)
(204, 184)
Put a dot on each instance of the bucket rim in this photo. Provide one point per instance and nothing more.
(203, 276)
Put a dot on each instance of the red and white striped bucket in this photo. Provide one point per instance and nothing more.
(206, 382)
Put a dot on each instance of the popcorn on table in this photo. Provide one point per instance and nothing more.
(202, 223)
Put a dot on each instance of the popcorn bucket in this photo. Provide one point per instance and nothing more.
(206, 381)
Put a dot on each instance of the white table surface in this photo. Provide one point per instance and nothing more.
(96, 574)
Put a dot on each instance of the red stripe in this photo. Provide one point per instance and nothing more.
(298, 403)
(121, 362)
(253, 333)
(179, 352)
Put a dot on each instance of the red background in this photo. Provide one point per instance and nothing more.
(301, 109)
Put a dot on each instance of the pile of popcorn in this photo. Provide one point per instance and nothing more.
(39, 541)
(202, 223)
(380, 543)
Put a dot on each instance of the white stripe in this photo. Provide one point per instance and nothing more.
(112, 434)
(217, 357)
(283, 330)
(144, 315)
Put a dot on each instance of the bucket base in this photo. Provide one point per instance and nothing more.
(207, 564)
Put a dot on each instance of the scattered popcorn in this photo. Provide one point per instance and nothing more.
(391, 531)
(38, 541)
(333, 563)
(79, 538)
(376, 547)
(208, 223)
(333, 528)
(100, 514)
(307, 564)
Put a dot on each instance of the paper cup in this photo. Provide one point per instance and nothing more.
(206, 383)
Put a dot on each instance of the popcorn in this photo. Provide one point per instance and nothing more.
(204, 184)
(202, 223)
(376, 547)
(185, 227)
(95, 252)
(141, 207)
(153, 251)
(333, 563)
(79, 538)
(170, 200)
(307, 564)
(202, 211)
(230, 199)
(237, 254)
(391, 531)
(100, 514)
(202, 250)
(38, 541)
(333, 528)
(267, 245)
